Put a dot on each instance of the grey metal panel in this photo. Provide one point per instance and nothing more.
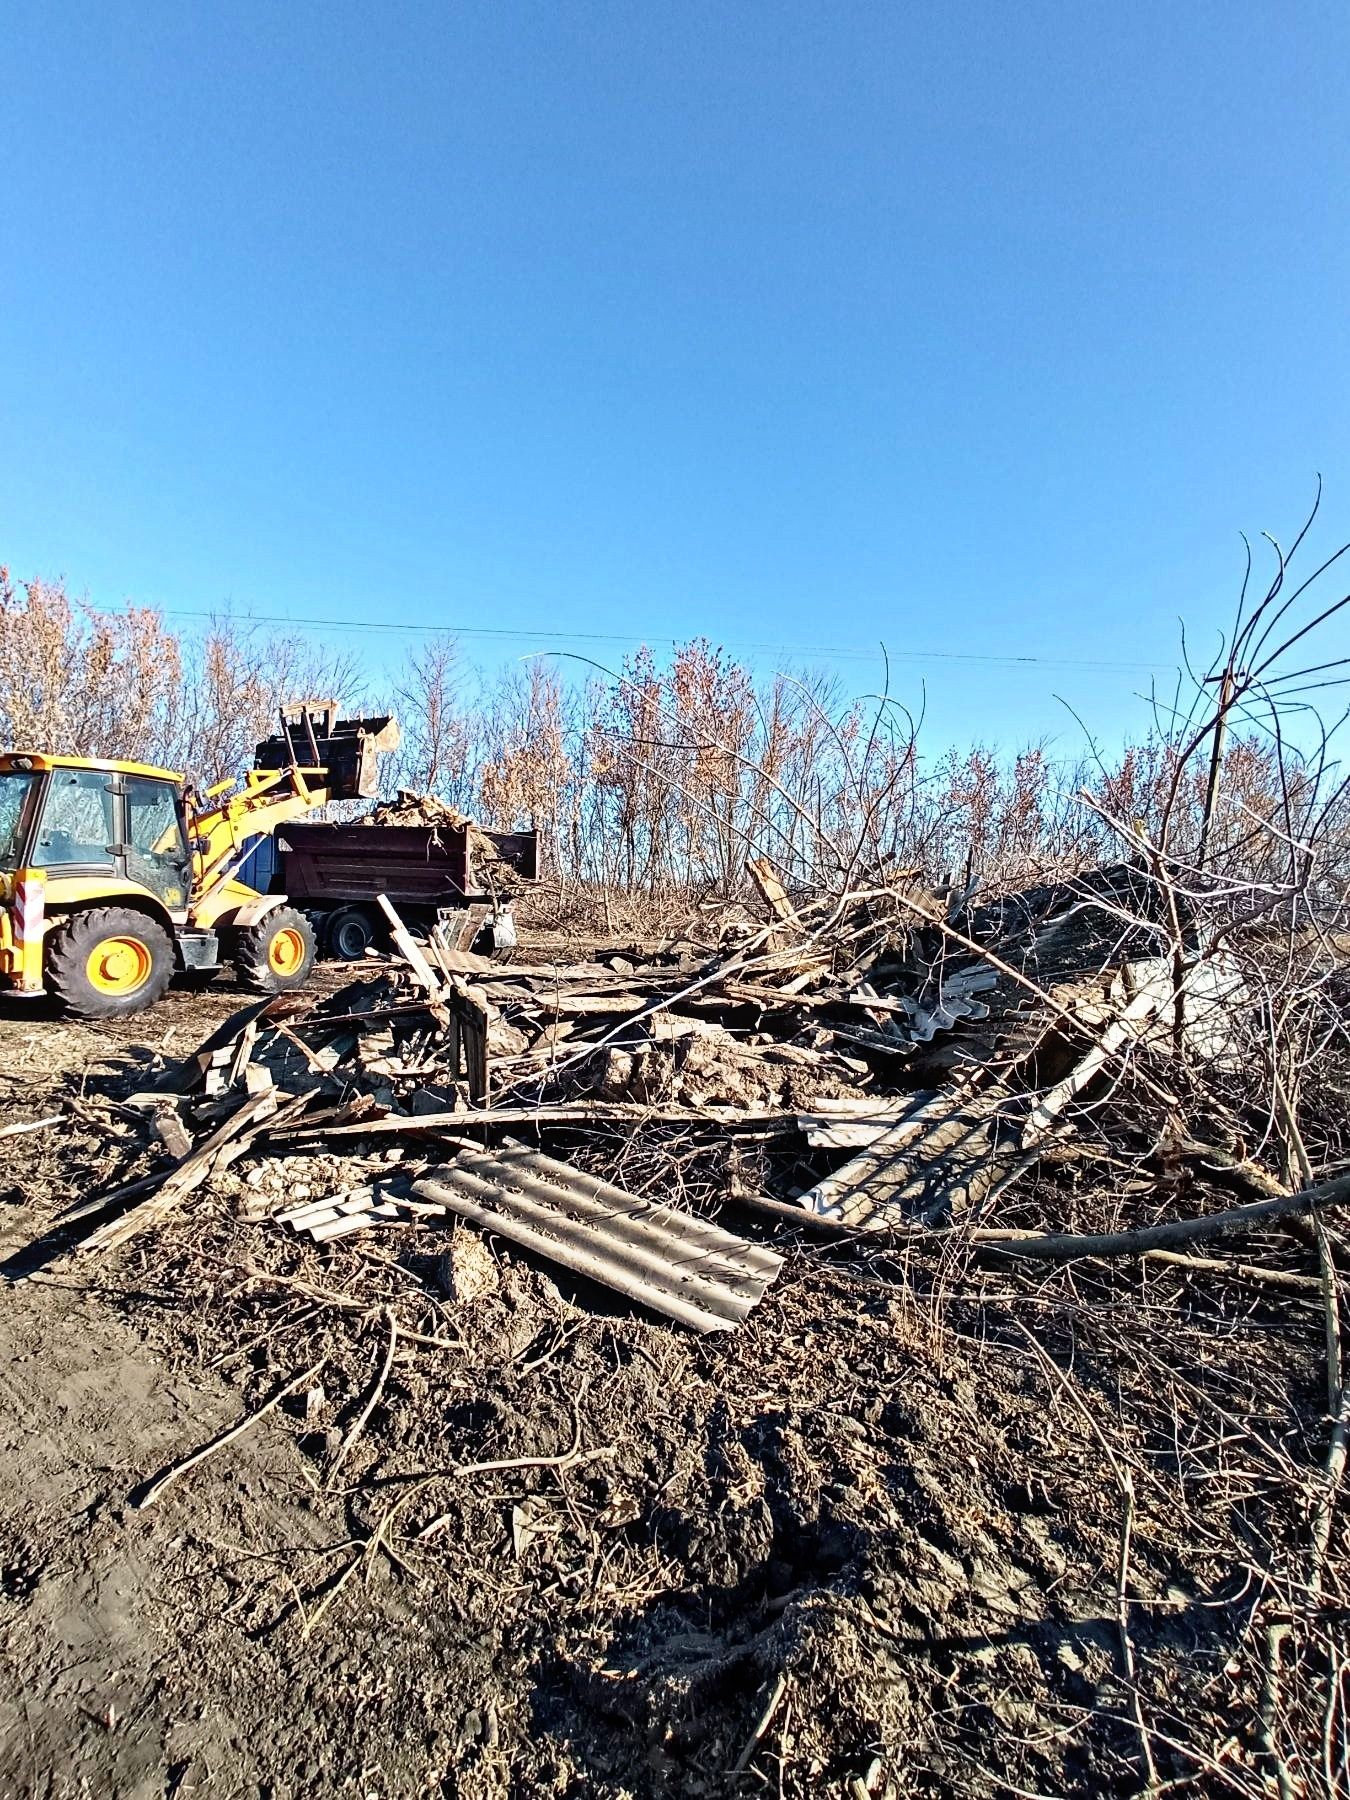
(704, 1242)
(679, 1265)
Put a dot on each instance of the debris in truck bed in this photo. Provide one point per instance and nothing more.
(409, 808)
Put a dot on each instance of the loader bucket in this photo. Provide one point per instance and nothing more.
(348, 750)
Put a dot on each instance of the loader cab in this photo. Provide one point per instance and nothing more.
(18, 798)
(82, 821)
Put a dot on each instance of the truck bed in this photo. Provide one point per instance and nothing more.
(413, 864)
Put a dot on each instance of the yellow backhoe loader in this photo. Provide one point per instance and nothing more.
(113, 875)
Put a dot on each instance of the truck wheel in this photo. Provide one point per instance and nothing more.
(348, 933)
(276, 955)
(107, 962)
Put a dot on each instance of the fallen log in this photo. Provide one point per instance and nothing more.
(1215, 1265)
(1066, 1247)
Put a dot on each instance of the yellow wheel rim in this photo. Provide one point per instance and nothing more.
(286, 952)
(119, 965)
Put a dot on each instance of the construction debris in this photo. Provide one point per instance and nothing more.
(883, 1061)
(679, 1265)
(622, 1273)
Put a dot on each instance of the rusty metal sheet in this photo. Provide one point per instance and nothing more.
(679, 1265)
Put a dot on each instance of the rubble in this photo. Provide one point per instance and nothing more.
(949, 1046)
(411, 808)
(865, 1145)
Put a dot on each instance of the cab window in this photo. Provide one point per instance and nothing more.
(17, 787)
(77, 820)
(157, 850)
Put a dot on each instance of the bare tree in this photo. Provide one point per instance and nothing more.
(438, 728)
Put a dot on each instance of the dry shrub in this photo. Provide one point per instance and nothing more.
(664, 776)
(87, 682)
(96, 684)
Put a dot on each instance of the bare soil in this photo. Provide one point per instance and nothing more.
(870, 1544)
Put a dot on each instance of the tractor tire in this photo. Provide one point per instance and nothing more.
(277, 955)
(348, 932)
(108, 962)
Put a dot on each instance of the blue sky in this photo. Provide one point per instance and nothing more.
(978, 330)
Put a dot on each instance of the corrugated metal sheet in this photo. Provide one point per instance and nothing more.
(684, 1267)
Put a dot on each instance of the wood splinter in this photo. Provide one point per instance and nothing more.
(150, 1491)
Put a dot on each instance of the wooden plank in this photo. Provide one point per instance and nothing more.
(408, 947)
(299, 1044)
(724, 1118)
(462, 936)
(189, 1071)
(181, 1181)
(243, 1053)
(771, 999)
(268, 1117)
(474, 1013)
(765, 877)
(881, 1108)
(476, 1059)
(572, 1006)
(172, 1133)
(1132, 1022)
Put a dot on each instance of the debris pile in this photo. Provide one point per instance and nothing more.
(960, 1158)
(886, 1062)
(408, 808)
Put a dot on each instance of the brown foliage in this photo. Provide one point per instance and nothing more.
(666, 775)
(94, 683)
(97, 684)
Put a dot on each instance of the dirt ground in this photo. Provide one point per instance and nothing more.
(875, 1543)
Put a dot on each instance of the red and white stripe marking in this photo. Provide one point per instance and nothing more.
(28, 913)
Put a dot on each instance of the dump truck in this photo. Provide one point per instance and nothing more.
(451, 873)
(114, 875)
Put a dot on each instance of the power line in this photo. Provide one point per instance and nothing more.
(516, 634)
